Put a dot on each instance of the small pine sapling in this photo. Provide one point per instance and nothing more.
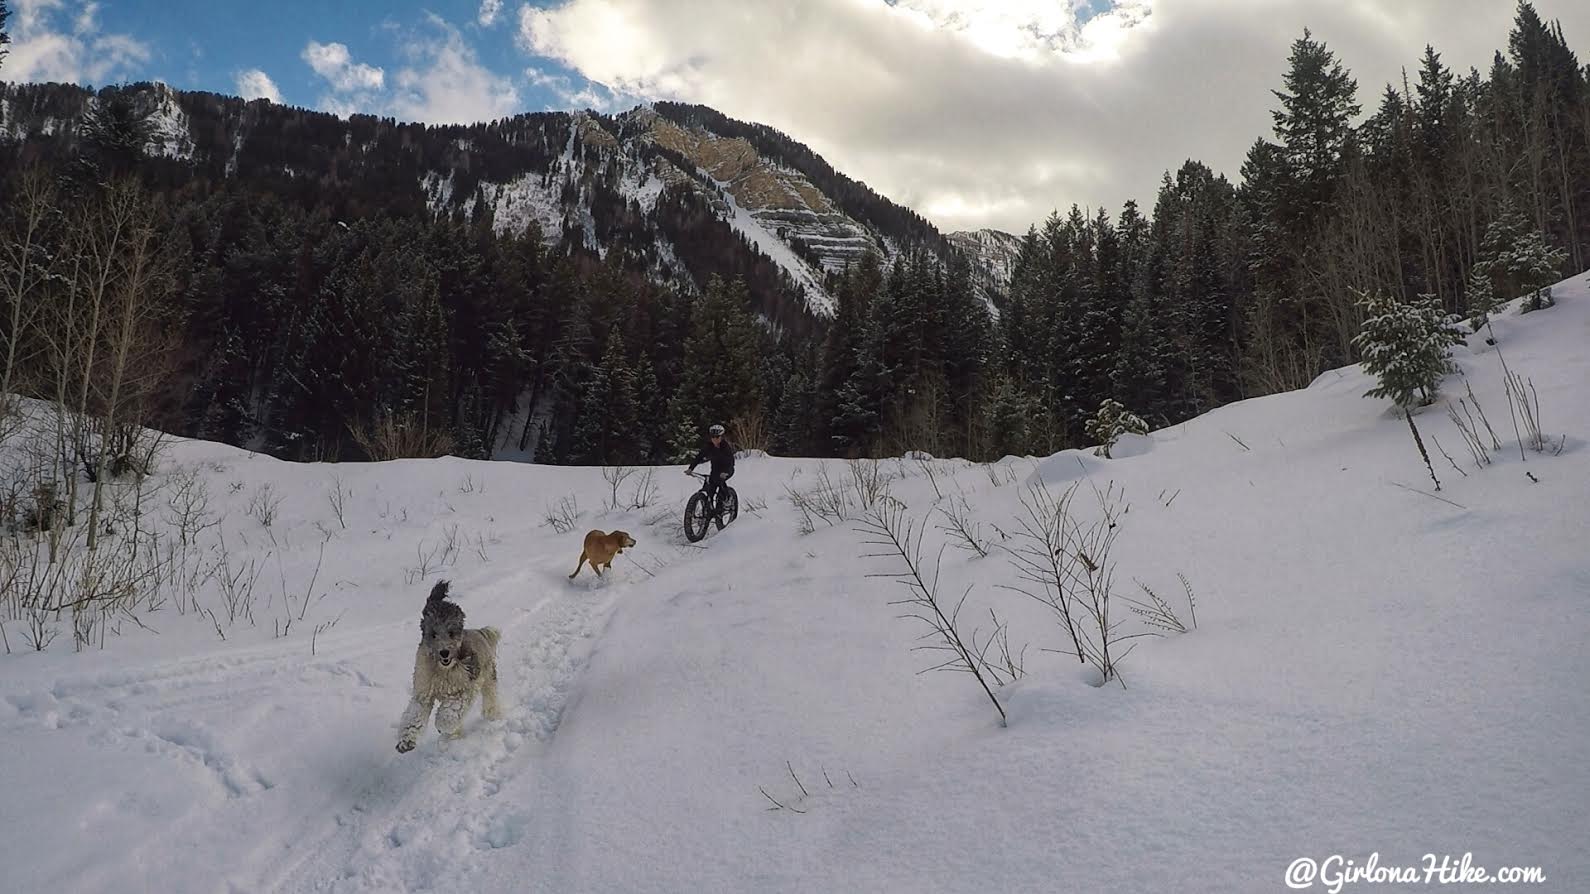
(1407, 346)
(1480, 295)
(1110, 422)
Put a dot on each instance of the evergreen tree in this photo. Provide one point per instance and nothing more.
(1314, 124)
(1434, 112)
(1110, 422)
(548, 451)
(1517, 260)
(1020, 322)
(622, 443)
(1010, 415)
(116, 134)
(967, 346)
(1480, 298)
(650, 412)
(842, 346)
(571, 365)
(588, 442)
(719, 382)
(1406, 346)
(858, 417)
(791, 423)
(1537, 265)
(1139, 374)
(424, 394)
(468, 440)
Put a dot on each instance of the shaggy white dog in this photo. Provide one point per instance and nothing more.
(451, 666)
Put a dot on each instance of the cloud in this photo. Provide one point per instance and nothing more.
(489, 10)
(995, 112)
(354, 87)
(447, 84)
(335, 64)
(590, 96)
(56, 40)
(256, 84)
(1031, 30)
(86, 23)
(442, 82)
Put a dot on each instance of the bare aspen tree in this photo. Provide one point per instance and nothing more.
(25, 267)
(134, 286)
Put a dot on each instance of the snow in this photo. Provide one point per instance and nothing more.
(1374, 671)
(745, 223)
(237, 149)
(522, 200)
(438, 190)
(170, 133)
(644, 190)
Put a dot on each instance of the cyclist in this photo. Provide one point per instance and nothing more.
(720, 453)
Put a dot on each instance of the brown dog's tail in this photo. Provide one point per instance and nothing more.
(492, 635)
(438, 593)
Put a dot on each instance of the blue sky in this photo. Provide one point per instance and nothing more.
(212, 44)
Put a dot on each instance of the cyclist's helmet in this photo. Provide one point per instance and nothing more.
(716, 431)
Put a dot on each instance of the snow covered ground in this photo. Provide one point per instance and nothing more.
(1374, 671)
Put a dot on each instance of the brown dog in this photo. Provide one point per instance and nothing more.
(600, 549)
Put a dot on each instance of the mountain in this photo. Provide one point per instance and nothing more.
(993, 257)
(693, 192)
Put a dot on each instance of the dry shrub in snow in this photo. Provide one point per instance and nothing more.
(870, 482)
(863, 490)
(1158, 614)
(390, 437)
(337, 496)
(897, 538)
(615, 476)
(1065, 564)
(646, 490)
(265, 504)
(563, 515)
(793, 801)
(959, 524)
(750, 431)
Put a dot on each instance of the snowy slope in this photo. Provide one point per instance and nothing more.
(746, 224)
(1374, 671)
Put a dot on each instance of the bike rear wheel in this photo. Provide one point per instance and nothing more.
(697, 516)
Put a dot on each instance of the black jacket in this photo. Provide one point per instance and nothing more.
(721, 457)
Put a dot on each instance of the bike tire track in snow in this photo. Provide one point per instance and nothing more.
(420, 819)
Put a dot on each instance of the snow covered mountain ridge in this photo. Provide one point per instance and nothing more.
(993, 254)
(694, 191)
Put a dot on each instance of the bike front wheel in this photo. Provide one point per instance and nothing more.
(697, 516)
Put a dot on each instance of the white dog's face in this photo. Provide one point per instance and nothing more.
(442, 632)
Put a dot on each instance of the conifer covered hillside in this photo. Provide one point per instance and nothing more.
(361, 287)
